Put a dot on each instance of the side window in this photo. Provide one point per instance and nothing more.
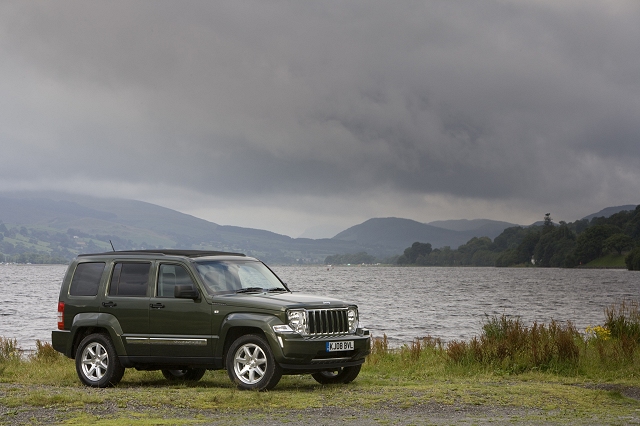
(169, 276)
(129, 279)
(86, 279)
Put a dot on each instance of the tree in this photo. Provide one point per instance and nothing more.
(590, 243)
(632, 228)
(618, 242)
(478, 251)
(525, 249)
(633, 260)
(554, 245)
(411, 254)
(350, 259)
(508, 257)
(510, 238)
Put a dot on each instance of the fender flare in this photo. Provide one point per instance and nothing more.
(264, 322)
(98, 320)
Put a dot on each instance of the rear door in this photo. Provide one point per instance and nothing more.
(128, 300)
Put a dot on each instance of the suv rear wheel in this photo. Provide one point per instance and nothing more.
(187, 374)
(97, 363)
(341, 375)
(251, 365)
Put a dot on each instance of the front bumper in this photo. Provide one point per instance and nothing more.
(301, 354)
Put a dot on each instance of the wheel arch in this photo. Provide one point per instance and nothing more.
(240, 324)
(90, 323)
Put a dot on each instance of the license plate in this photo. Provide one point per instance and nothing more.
(340, 346)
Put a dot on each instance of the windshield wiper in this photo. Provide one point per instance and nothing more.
(274, 289)
(249, 290)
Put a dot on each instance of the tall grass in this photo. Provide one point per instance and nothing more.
(506, 345)
(9, 350)
(623, 320)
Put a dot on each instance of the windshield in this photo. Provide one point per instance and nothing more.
(222, 277)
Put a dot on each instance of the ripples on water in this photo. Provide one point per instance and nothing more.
(452, 303)
(449, 303)
(29, 302)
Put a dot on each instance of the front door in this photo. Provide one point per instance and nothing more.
(178, 327)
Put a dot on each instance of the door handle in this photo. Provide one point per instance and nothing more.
(156, 306)
(109, 304)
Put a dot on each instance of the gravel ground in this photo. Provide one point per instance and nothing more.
(424, 414)
(436, 414)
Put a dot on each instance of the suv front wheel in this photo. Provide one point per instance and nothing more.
(251, 365)
(97, 363)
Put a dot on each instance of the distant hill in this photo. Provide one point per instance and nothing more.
(610, 211)
(64, 225)
(396, 234)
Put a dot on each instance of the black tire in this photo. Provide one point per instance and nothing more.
(184, 375)
(251, 365)
(341, 375)
(97, 362)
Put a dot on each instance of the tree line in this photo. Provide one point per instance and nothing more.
(564, 245)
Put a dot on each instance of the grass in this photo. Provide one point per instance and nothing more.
(611, 260)
(547, 373)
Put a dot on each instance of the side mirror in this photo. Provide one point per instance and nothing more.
(186, 292)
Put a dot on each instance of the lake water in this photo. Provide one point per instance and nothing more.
(403, 303)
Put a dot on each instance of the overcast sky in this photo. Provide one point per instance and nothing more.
(287, 115)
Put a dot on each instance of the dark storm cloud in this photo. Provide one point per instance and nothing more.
(492, 100)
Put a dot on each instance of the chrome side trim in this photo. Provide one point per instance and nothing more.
(165, 341)
(182, 342)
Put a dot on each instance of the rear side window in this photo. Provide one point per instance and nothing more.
(129, 279)
(86, 279)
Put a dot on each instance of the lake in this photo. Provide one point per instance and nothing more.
(403, 303)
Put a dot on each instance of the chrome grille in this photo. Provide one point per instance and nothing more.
(328, 321)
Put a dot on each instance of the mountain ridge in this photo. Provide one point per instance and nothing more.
(79, 223)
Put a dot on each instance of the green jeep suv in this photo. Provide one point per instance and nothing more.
(187, 311)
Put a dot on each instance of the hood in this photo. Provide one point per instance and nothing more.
(281, 301)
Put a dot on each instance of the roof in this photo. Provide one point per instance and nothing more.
(167, 252)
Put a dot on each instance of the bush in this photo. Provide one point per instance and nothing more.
(9, 350)
(633, 260)
(45, 352)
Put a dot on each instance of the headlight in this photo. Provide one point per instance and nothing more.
(352, 317)
(298, 321)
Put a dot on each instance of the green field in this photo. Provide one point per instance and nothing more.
(612, 260)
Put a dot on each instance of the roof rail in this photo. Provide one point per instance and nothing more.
(167, 252)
